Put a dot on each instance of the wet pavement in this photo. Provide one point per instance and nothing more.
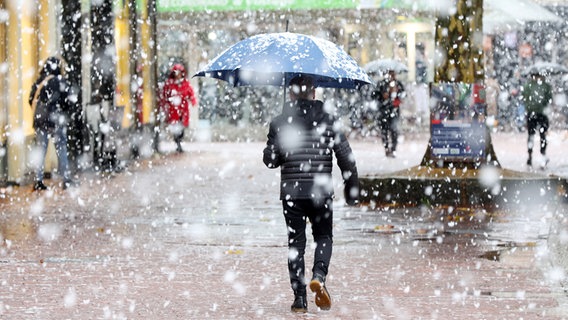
(200, 235)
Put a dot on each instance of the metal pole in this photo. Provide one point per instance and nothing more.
(103, 76)
(71, 47)
(136, 74)
(152, 12)
(134, 55)
(284, 84)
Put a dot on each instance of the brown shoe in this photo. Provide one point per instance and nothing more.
(323, 300)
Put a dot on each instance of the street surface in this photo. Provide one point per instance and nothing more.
(201, 236)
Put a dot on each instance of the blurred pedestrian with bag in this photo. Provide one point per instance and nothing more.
(537, 95)
(50, 102)
(389, 95)
(176, 96)
(302, 141)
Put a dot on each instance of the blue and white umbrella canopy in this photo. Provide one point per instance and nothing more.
(273, 59)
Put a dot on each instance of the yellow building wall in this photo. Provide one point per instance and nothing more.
(30, 39)
(122, 41)
(3, 78)
(22, 59)
(27, 56)
(146, 37)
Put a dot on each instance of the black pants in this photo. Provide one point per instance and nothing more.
(537, 121)
(178, 138)
(321, 219)
(389, 131)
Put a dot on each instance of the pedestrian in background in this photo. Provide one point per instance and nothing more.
(389, 95)
(49, 99)
(537, 95)
(176, 96)
(302, 141)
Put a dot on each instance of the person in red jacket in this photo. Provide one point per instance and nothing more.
(177, 94)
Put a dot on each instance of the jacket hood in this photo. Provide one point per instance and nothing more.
(178, 67)
(52, 66)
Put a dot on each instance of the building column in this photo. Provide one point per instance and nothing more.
(411, 29)
(22, 62)
(3, 99)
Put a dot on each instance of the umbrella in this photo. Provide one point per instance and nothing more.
(384, 65)
(275, 58)
(505, 15)
(545, 68)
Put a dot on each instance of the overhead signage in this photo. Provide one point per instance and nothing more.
(239, 5)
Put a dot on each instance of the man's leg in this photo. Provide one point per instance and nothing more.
(543, 123)
(62, 155)
(384, 124)
(394, 134)
(296, 224)
(178, 137)
(543, 128)
(321, 218)
(531, 129)
(42, 138)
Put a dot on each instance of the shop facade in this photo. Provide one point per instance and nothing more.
(120, 50)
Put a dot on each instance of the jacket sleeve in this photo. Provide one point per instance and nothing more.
(401, 93)
(525, 95)
(348, 167)
(548, 94)
(32, 93)
(272, 155)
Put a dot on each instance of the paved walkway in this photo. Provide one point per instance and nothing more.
(201, 236)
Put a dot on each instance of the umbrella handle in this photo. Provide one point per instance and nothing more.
(284, 86)
(284, 95)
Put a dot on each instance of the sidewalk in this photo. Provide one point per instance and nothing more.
(510, 148)
(201, 236)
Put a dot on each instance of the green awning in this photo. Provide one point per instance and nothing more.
(240, 5)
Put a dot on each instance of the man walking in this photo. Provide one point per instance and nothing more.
(49, 99)
(537, 94)
(389, 95)
(301, 141)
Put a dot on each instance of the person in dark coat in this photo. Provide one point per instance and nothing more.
(49, 99)
(389, 95)
(301, 142)
(537, 95)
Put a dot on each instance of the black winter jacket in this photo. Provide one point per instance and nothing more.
(301, 141)
(55, 95)
(387, 107)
